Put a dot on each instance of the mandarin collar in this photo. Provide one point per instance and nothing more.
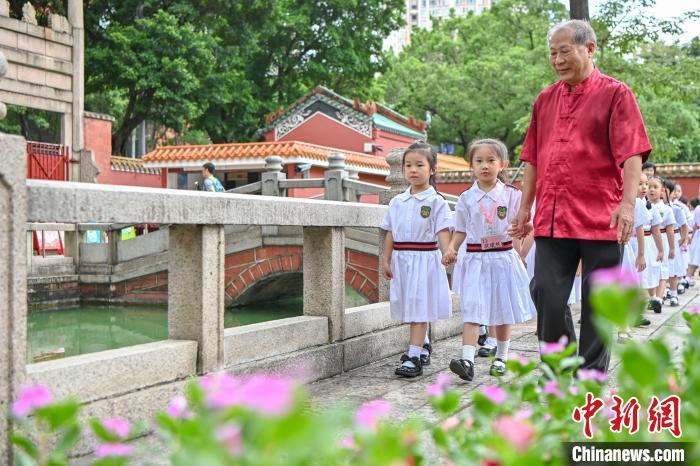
(421, 196)
(584, 85)
(494, 194)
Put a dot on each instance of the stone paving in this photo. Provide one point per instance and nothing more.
(377, 380)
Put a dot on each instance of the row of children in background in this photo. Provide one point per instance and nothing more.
(664, 250)
(490, 278)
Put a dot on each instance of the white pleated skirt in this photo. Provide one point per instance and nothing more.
(494, 288)
(694, 250)
(649, 277)
(419, 290)
(677, 265)
(665, 266)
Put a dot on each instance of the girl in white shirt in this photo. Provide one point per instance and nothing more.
(417, 220)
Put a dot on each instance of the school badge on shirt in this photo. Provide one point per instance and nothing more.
(425, 211)
(501, 212)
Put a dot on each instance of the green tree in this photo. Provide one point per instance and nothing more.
(477, 75)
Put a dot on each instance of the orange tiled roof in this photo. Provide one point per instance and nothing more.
(284, 149)
(127, 164)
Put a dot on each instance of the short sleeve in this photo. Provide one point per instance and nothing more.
(628, 136)
(655, 217)
(697, 215)
(679, 215)
(529, 151)
(208, 185)
(443, 217)
(668, 218)
(641, 214)
(386, 221)
(513, 203)
(461, 215)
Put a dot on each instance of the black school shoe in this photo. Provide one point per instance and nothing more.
(463, 368)
(486, 352)
(425, 358)
(643, 322)
(498, 368)
(405, 371)
(482, 338)
(655, 306)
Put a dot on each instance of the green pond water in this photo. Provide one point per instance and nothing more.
(90, 328)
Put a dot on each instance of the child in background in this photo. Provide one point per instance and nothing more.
(494, 286)
(653, 247)
(658, 197)
(694, 249)
(416, 221)
(677, 266)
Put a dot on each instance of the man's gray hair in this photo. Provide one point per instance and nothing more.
(583, 32)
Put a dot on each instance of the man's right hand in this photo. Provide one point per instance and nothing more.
(519, 228)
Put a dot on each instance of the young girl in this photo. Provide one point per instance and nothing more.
(653, 247)
(694, 250)
(658, 197)
(416, 221)
(677, 265)
(494, 287)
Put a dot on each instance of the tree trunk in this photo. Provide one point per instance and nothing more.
(579, 9)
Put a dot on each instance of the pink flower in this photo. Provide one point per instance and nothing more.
(369, 413)
(573, 390)
(118, 426)
(523, 414)
(547, 417)
(620, 276)
(494, 393)
(522, 360)
(221, 390)
(518, 434)
(31, 398)
(591, 374)
(177, 409)
(230, 436)
(558, 347)
(673, 384)
(438, 388)
(449, 423)
(113, 449)
(552, 388)
(348, 442)
(267, 394)
(695, 310)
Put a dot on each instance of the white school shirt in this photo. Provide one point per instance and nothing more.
(667, 217)
(642, 216)
(697, 215)
(679, 216)
(470, 219)
(654, 215)
(417, 218)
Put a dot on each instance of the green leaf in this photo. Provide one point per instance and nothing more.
(25, 444)
(60, 414)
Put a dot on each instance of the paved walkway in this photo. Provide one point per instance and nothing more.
(377, 380)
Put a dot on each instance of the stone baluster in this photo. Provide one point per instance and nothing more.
(71, 247)
(13, 275)
(397, 185)
(272, 176)
(352, 195)
(196, 291)
(324, 276)
(333, 177)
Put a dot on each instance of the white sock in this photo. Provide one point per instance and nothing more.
(482, 330)
(413, 352)
(490, 342)
(502, 350)
(468, 352)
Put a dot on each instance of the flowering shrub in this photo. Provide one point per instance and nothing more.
(261, 419)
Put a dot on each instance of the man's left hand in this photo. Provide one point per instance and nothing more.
(623, 219)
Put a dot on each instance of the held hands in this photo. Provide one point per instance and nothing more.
(521, 226)
(386, 270)
(623, 219)
(450, 257)
(671, 254)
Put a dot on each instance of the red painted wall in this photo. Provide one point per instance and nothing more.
(390, 141)
(324, 131)
(98, 138)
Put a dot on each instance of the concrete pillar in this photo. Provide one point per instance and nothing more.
(13, 280)
(351, 195)
(333, 177)
(71, 246)
(324, 276)
(114, 237)
(397, 185)
(196, 291)
(86, 168)
(272, 176)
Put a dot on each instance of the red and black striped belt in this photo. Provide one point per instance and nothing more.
(647, 233)
(407, 246)
(476, 247)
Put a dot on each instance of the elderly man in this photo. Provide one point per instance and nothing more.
(583, 157)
